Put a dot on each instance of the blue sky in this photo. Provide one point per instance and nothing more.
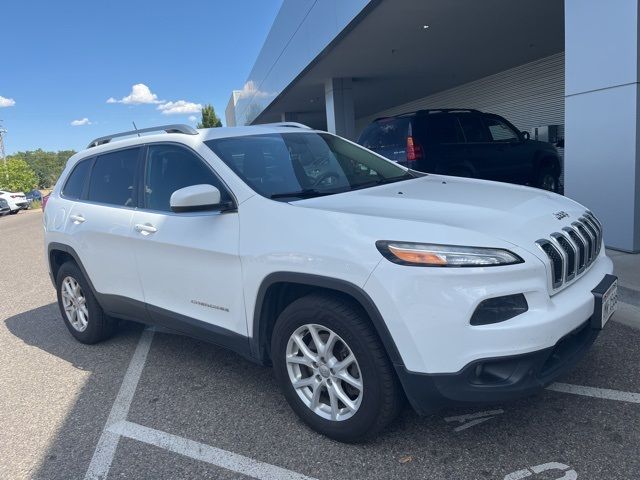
(62, 61)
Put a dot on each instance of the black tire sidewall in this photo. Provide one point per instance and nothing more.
(548, 171)
(98, 327)
(357, 427)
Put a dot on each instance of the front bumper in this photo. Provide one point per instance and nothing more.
(497, 379)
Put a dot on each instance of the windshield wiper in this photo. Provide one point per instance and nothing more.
(305, 193)
(382, 181)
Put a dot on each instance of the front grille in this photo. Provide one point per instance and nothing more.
(573, 250)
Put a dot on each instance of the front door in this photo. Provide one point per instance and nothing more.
(188, 263)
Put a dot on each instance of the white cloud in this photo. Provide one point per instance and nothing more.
(6, 102)
(193, 118)
(180, 107)
(140, 93)
(250, 90)
(82, 121)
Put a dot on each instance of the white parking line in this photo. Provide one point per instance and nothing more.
(205, 453)
(106, 448)
(596, 392)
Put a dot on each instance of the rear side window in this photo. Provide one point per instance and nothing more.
(113, 178)
(473, 129)
(385, 133)
(443, 128)
(75, 183)
(170, 168)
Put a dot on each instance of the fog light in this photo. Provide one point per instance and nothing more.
(499, 309)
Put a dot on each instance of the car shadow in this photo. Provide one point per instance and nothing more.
(208, 394)
(103, 365)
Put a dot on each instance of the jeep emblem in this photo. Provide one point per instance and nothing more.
(561, 214)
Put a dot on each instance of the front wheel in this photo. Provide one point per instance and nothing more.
(548, 179)
(333, 369)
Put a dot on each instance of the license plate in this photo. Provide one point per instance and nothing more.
(606, 300)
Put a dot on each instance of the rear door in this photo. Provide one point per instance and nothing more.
(98, 224)
(445, 150)
(188, 262)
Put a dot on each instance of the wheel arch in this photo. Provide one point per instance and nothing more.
(279, 289)
(544, 159)
(58, 254)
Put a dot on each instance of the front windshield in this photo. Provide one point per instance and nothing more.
(303, 165)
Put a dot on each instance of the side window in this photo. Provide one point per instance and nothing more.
(75, 183)
(113, 178)
(170, 168)
(443, 128)
(473, 129)
(499, 130)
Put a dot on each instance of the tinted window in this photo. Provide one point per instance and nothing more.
(473, 129)
(170, 168)
(308, 163)
(443, 129)
(113, 178)
(499, 130)
(75, 183)
(385, 133)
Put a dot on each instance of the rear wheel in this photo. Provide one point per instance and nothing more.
(333, 369)
(80, 311)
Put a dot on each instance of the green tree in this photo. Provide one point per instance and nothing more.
(17, 176)
(46, 165)
(209, 118)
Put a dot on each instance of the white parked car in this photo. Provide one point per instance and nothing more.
(360, 281)
(16, 200)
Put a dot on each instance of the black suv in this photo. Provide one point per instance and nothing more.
(465, 143)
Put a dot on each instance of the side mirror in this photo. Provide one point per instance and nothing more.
(196, 198)
(526, 135)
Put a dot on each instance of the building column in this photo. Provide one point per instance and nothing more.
(338, 95)
(602, 134)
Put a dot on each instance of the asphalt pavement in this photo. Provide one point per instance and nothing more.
(153, 405)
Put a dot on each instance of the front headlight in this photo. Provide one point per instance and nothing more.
(432, 255)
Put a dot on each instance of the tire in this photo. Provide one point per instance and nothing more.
(548, 179)
(379, 399)
(14, 212)
(97, 325)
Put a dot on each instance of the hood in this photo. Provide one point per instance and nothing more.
(515, 214)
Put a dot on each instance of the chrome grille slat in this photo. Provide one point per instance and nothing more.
(572, 251)
(581, 243)
(587, 236)
(597, 227)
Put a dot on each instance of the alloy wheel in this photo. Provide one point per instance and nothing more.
(324, 372)
(75, 304)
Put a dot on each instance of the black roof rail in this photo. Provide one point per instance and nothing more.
(448, 110)
(173, 128)
(429, 111)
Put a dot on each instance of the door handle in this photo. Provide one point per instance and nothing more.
(77, 219)
(145, 229)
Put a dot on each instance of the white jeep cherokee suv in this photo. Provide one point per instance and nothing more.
(360, 281)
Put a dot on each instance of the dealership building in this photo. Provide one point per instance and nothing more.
(565, 71)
